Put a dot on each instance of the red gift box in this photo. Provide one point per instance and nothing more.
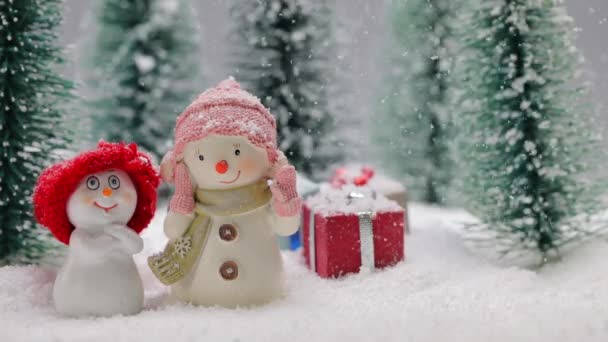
(346, 236)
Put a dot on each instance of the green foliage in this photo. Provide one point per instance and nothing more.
(144, 70)
(526, 132)
(32, 95)
(413, 132)
(282, 48)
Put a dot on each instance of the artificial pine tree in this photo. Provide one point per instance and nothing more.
(145, 70)
(282, 48)
(526, 135)
(32, 96)
(413, 130)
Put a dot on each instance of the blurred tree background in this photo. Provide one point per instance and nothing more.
(366, 30)
(140, 62)
(141, 69)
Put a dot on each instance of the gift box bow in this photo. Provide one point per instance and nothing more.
(341, 177)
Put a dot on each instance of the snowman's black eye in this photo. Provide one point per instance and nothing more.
(200, 157)
(93, 183)
(237, 152)
(114, 182)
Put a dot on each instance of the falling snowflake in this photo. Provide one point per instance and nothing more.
(182, 246)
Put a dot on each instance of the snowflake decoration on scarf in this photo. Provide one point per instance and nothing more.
(182, 246)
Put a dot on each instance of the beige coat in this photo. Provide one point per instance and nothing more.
(240, 263)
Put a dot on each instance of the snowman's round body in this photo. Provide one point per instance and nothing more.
(99, 277)
(240, 264)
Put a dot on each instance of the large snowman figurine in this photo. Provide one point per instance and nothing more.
(97, 203)
(233, 192)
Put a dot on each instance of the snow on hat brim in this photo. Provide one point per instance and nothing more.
(57, 183)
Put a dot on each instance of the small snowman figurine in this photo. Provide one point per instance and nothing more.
(97, 203)
(224, 215)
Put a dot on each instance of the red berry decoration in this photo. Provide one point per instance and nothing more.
(340, 172)
(360, 180)
(367, 171)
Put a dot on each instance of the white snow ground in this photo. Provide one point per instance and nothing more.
(440, 293)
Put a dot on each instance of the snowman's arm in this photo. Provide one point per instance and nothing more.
(286, 203)
(128, 239)
(176, 224)
(284, 225)
(92, 245)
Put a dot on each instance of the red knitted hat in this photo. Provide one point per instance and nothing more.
(57, 183)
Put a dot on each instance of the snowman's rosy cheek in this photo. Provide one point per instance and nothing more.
(128, 197)
(247, 165)
(87, 199)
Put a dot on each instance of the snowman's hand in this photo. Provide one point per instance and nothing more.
(285, 225)
(285, 199)
(277, 165)
(129, 240)
(176, 224)
(91, 245)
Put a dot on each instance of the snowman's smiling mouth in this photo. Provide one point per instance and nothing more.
(106, 209)
(234, 180)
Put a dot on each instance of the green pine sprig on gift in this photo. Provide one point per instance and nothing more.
(33, 98)
(527, 144)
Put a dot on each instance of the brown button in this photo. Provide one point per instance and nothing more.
(229, 270)
(227, 232)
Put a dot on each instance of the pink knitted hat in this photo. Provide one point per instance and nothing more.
(224, 110)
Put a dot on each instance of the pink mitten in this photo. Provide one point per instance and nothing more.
(285, 199)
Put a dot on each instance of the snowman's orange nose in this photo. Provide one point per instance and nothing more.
(107, 192)
(221, 166)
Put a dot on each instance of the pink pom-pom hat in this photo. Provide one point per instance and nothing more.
(224, 110)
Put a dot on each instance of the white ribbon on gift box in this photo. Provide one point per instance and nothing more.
(366, 236)
(366, 233)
